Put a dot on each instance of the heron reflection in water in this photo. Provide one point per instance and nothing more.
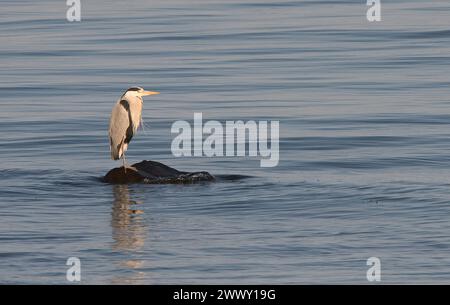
(128, 232)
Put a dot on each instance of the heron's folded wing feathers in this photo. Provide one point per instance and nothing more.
(120, 129)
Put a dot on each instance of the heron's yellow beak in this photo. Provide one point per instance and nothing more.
(149, 93)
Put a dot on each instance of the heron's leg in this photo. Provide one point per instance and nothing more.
(124, 162)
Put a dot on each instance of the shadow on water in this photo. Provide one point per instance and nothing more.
(232, 177)
(129, 231)
(219, 178)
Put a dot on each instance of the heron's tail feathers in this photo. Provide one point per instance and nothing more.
(115, 153)
(115, 156)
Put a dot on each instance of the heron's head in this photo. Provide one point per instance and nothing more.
(138, 92)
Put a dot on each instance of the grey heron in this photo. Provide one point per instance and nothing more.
(125, 120)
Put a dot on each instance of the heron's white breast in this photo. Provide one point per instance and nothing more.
(136, 112)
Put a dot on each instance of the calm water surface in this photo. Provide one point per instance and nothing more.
(364, 141)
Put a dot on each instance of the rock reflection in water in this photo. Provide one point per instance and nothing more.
(129, 233)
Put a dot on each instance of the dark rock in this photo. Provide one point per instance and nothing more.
(152, 172)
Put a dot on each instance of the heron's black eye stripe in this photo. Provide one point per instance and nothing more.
(134, 89)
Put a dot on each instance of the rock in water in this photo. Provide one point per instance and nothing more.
(154, 173)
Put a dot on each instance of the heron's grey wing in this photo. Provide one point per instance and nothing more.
(120, 129)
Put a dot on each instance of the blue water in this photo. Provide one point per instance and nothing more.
(364, 141)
